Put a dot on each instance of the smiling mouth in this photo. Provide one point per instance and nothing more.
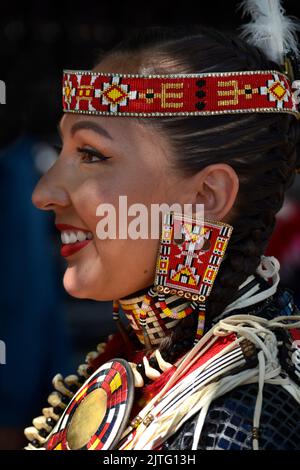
(73, 239)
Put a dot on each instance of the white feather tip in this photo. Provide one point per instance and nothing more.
(270, 29)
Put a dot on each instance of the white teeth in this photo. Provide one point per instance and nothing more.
(81, 236)
(68, 237)
(64, 237)
(72, 238)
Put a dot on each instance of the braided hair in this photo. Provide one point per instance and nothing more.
(261, 148)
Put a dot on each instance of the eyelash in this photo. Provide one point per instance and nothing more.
(86, 152)
(92, 153)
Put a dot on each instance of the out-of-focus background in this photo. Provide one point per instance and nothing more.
(45, 330)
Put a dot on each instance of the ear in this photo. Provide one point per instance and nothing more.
(216, 186)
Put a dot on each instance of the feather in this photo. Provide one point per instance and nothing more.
(270, 29)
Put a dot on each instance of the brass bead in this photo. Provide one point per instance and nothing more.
(148, 420)
(136, 422)
(255, 433)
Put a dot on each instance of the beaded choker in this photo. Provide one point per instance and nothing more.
(158, 324)
(177, 95)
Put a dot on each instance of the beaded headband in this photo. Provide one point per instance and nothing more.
(177, 95)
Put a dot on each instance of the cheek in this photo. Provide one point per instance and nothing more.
(126, 266)
(119, 192)
(88, 197)
(112, 269)
(115, 267)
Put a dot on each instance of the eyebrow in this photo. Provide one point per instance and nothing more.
(87, 125)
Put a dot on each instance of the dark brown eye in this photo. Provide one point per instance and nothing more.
(91, 156)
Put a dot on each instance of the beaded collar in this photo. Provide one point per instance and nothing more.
(158, 324)
(256, 290)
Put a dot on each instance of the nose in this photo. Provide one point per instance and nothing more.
(50, 193)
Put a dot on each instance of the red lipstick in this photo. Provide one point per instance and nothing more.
(69, 249)
(71, 228)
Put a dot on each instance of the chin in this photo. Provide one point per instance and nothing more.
(81, 287)
(76, 286)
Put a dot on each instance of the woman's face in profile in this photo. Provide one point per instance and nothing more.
(101, 159)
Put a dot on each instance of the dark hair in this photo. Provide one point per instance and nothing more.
(260, 147)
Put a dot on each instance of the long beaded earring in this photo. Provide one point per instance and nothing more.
(188, 265)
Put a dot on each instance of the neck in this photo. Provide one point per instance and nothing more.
(136, 294)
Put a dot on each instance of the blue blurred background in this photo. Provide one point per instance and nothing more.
(45, 330)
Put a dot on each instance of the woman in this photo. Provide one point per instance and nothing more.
(238, 165)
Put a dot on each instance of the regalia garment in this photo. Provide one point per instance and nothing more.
(240, 400)
(231, 382)
(228, 423)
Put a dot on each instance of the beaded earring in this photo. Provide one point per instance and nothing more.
(190, 254)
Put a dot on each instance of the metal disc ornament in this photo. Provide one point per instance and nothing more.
(97, 415)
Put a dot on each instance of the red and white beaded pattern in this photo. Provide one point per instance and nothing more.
(157, 323)
(194, 94)
(190, 268)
